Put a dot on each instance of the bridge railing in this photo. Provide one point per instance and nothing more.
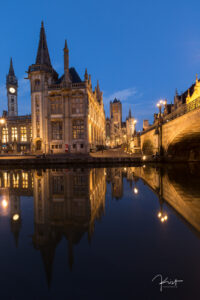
(183, 109)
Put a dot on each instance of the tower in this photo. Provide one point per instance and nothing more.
(116, 122)
(40, 75)
(12, 85)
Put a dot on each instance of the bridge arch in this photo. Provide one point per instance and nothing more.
(181, 137)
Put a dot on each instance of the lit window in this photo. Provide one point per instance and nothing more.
(4, 135)
(15, 180)
(56, 106)
(25, 180)
(56, 130)
(78, 129)
(31, 132)
(6, 179)
(77, 106)
(14, 134)
(23, 132)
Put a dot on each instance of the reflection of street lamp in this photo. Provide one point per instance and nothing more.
(15, 217)
(162, 216)
(135, 189)
(4, 203)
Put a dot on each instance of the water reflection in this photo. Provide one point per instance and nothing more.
(67, 202)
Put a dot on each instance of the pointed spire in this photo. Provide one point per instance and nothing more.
(11, 69)
(11, 78)
(86, 75)
(176, 92)
(188, 93)
(43, 53)
(47, 253)
(90, 80)
(197, 78)
(129, 114)
(98, 89)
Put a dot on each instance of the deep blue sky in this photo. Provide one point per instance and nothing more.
(140, 51)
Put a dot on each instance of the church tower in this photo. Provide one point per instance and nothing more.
(12, 85)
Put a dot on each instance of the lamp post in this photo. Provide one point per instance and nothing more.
(160, 104)
(2, 123)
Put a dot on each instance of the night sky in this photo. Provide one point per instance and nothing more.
(140, 51)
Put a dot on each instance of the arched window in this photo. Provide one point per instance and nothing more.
(38, 145)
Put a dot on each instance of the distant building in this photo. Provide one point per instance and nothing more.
(118, 132)
(67, 114)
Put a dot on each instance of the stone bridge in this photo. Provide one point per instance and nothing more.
(179, 187)
(178, 135)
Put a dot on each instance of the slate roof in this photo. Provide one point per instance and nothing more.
(75, 78)
(43, 57)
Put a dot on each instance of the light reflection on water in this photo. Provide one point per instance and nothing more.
(99, 233)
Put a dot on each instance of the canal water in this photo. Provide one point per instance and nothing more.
(100, 233)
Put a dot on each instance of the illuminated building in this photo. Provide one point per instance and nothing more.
(67, 114)
(118, 132)
(15, 131)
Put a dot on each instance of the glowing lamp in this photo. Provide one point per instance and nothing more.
(15, 217)
(4, 203)
(159, 215)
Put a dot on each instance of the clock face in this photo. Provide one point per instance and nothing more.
(12, 90)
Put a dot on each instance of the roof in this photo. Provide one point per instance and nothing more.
(11, 69)
(116, 101)
(43, 52)
(75, 78)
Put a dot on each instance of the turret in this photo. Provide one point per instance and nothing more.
(66, 62)
(86, 75)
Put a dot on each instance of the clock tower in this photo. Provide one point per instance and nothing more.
(12, 85)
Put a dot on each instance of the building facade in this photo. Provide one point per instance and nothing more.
(67, 114)
(15, 131)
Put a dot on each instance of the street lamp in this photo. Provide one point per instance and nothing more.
(161, 104)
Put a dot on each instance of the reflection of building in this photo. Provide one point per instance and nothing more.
(66, 202)
(13, 185)
(67, 115)
(118, 132)
(115, 177)
(15, 131)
